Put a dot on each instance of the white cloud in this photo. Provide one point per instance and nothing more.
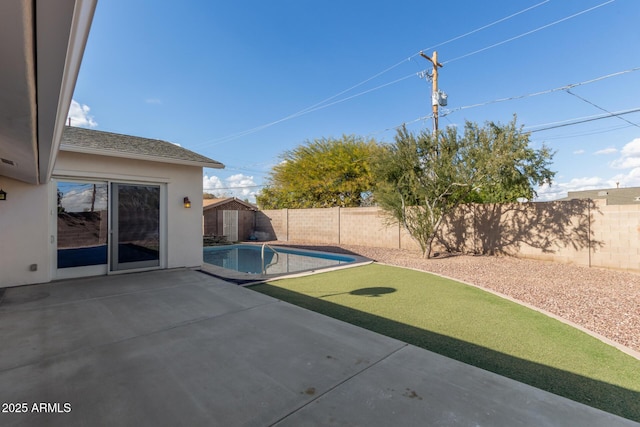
(629, 156)
(244, 184)
(578, 152)
(609, 150)
(211, 184)
(238, 185)
(155, 101)
(559, 190)
(79, 115)
(81, 197)
(626, 163)
(630, 179)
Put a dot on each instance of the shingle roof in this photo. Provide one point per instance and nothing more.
(117, 145)
(212, 203)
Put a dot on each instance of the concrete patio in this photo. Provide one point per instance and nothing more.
(178, 347)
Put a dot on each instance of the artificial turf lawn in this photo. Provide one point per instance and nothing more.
(475, 327)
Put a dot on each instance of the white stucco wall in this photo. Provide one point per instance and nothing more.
(25, 222)
(24, 233)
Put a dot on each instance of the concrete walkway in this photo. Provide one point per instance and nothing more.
(180, 348)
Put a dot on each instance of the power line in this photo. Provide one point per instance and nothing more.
(478, 51)
(511, 98)
(241, 169)
(322, 104)
(543, 92)
(235, 188)
(429, 48)
(528, 32)
(485, 26)
(303, 112)
(580, 120)
(600, 108)
(587, 133)
(419, 119)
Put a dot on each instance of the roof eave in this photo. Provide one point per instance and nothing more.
(55, 99)
(134, 156)
(230, 199)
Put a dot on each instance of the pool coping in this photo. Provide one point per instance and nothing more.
(248, 279)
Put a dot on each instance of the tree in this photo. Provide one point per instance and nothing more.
(421, 178)
(322, 173)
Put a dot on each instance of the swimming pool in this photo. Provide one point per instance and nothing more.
(253, 262)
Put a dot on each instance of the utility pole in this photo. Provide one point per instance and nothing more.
(435, 96)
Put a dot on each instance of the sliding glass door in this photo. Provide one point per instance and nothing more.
(103, 227)
(135, 210)
(81, 228)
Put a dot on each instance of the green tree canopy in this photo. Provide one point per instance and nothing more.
(322, 173)
(421, 178)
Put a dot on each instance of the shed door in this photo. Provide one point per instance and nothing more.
(230, 225)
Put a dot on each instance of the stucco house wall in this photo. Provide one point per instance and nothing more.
(28, 220)
(43, 57)
(24, 233)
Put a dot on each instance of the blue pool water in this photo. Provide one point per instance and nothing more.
(248, 259)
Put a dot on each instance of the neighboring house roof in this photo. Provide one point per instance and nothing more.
(613, 196)
(217, 203)
(89, 141)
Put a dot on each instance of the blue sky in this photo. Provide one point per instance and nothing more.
(241, 82)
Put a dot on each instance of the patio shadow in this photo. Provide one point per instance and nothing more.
(607, 397)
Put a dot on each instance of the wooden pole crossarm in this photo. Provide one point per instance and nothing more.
(435, 64)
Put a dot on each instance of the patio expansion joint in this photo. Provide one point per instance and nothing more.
(335, 386)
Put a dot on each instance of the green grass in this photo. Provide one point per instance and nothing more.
(475, 327)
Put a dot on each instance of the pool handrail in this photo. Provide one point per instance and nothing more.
(265, 267)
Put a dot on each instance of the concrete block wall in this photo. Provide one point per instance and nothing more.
(81, 229)
(572, 245)
(367, 227)
(272, 224)
(581, 232)
(372, 227)
(618, 237)
(314, 225)
(348, 226)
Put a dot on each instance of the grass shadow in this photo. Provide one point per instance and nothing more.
(598, 394)
(376, 291)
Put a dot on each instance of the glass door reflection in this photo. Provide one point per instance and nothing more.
(135, 226)
(82, 224)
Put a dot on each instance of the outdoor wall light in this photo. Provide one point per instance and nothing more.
(3, 195)
(187, 203)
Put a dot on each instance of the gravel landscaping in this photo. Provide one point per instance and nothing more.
(603, 301)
